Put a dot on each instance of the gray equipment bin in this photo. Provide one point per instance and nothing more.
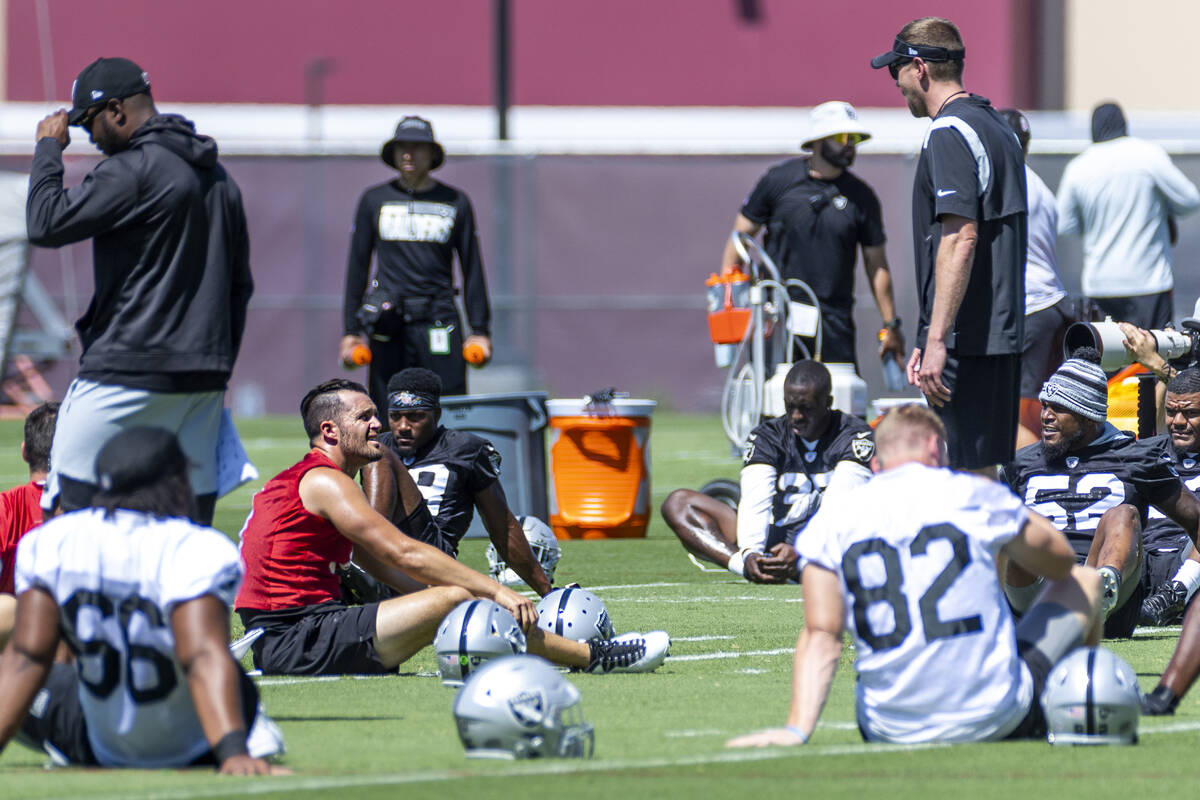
(515, 424)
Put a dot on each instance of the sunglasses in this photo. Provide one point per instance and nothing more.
(847, 138)
(90, 115)
(895, 67)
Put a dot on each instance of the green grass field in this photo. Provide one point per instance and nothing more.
(657, 735)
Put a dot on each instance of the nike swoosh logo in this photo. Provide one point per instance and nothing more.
(945, 192)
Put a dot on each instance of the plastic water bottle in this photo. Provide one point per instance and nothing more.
(893, 374)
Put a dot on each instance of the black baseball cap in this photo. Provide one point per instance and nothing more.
(413, 129)
(105, 79)
(136, 457)
(902, 51)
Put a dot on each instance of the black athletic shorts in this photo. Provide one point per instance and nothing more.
(1043, 349)
(1123, 620)
(55, 724)
(1033, 725)
(981, 417)
(325, 639)
(1147, 311)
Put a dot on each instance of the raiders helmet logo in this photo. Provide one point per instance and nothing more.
(1189, 463)
(528, 708)
(840, 202)
(862, 446)
(1072, 462)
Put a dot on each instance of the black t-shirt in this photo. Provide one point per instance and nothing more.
(801, 474)
(971, 165)
(450, 470)
(814, 227)
(414, 237)
(1161, 532)
(1075, 490)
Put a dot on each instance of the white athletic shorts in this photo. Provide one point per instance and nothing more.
(92, 413)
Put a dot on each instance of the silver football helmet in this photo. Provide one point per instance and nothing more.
(543, 544)
(521, 707)
(474, 632)
(1091, 697)
(574, 613)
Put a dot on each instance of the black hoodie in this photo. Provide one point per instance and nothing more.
(171, 256)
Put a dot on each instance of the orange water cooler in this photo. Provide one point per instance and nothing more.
(600, 468)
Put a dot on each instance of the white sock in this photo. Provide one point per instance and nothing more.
(737, 564)
(1189, 575)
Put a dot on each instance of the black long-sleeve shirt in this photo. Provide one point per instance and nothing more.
(414, 237)
(171, 256)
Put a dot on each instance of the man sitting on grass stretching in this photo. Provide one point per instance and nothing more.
(313, 517)
(965, 672)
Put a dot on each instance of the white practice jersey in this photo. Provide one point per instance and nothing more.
(915, 552)
(116, 583)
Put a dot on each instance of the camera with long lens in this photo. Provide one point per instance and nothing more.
(1107, 338)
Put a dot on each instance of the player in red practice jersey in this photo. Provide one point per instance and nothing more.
(20, 506)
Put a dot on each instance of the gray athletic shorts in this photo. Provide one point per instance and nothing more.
(92, 413)
(1045, 636)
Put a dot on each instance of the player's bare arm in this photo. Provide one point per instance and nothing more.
(1184, 510)
(814, 664)
(333, 495)
(508, 537)
(729, 255)
(955, 255)
(880, 275)
(379, 484)
(26, 660)
(201, 630)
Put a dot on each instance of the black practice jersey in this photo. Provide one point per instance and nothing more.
(801, 472)
(1161, 532)
(971, 166)
(450, 470)
(414, 237)
(1075, 490)
(814, 227)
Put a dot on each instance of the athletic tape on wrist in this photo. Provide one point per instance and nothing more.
(230, 745)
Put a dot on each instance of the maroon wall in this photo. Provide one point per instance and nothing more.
(619, 52)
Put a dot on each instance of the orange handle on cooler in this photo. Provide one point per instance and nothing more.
(728, 305)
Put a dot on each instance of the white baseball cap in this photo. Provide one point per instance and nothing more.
(833, 117)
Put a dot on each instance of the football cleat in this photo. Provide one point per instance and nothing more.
(1159, 703)
(1110, 589)
(629, 652)
(265, 740)
(1165, 605)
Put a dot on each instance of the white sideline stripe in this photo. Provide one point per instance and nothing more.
(691, 734)
(699, 599)
(726, 654)
(698, 638)
(1172, 727)
(281, 784)
(322, 679)
(631, 586)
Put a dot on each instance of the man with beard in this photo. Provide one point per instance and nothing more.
(1096, 484)
(969, 234)
(817, 213)
(1172, 563)
(791, 464)
(312, 517)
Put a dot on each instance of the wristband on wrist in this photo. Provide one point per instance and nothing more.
(230, 745)
(798, 733)
(892, 324)
(1168, 372)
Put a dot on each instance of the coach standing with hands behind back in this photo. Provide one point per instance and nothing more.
(969, 231)
(414, 225)
(171, 265)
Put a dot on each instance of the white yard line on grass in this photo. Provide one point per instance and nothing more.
(698, 638)
(725, 654)
(296, 783)
(1146, 630)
